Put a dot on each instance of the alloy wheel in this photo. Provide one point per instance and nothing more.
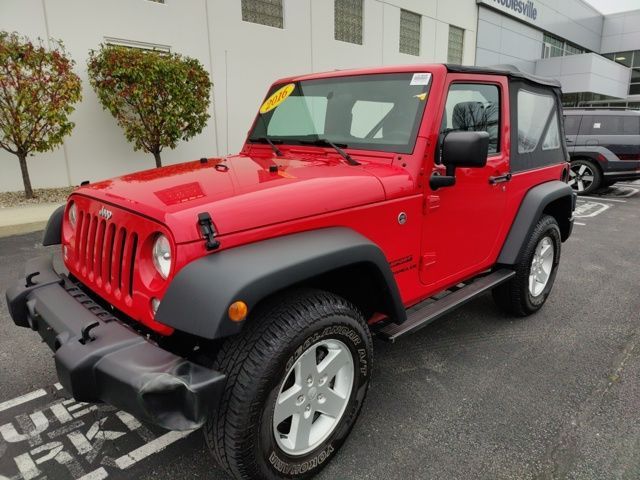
(581, 177)
(541, 266)
(313, 397)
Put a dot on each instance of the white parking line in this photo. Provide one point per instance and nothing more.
(578, 223)
(97, 474)
(27, 397)
(603, 198)
(154, 446)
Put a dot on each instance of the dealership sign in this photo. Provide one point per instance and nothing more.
(523, 9)
(527, 9)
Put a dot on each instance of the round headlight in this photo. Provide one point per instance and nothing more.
(162, 255)
(73, 215)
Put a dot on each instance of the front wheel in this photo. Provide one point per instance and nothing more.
(296, 380)
(536, 271)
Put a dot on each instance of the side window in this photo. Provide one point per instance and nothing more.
(571, 124)
(605, 125)
(474, 107)
(534, 111)
(630, 125)
(585, 126)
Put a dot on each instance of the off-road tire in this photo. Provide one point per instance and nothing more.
(240, 432)
(514, 296)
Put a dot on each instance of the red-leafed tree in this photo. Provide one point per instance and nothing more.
(158, 98)
(38, 90)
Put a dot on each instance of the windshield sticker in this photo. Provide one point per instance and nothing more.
(420, 79)
(421, 96)
(277, 98)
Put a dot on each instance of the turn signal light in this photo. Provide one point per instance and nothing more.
(238, 311)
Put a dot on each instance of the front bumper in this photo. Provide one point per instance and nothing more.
(100, 359)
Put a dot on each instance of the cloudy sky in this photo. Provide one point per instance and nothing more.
(614, 6)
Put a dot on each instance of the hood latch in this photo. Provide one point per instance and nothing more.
(208, 231)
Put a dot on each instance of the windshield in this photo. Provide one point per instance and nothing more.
(368, 112)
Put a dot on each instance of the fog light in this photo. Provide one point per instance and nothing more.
(65, 251)
(155, 303)
(238, 311)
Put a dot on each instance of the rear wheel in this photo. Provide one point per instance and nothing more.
(296, 380)
(584, 176)
(535, 273)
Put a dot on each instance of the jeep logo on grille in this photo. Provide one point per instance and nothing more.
(106, 214)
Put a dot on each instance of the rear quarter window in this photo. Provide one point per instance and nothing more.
(537, 133)
(534, 112)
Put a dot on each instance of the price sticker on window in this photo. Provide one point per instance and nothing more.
(420, 79)
(277, 98)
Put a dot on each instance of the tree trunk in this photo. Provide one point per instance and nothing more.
(156, 155)
(28, 191)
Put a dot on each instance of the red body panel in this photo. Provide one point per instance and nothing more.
(444, 241)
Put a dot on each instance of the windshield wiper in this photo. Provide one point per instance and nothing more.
(266, 139)
(320, 142)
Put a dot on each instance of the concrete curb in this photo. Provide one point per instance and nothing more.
(25, 219)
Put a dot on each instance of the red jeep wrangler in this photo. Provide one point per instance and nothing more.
(242, 293)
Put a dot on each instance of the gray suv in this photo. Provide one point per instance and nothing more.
(604, 146)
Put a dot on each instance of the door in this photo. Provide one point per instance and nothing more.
(462, 224)
(571, 129)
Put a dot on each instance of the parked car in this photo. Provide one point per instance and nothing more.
(242, 293)
(604, 146)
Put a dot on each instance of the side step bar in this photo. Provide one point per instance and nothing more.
(434, 309)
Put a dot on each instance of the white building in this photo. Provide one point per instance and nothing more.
(243, 58)
(591, 54)
(246, 44)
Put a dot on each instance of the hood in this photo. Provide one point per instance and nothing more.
(242, 192)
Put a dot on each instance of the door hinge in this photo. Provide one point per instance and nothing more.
(208, 231)
(428, 259)
(431, 202)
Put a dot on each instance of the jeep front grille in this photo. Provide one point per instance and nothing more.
(105, 253)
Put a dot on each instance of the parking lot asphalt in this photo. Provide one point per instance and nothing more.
(475, 395)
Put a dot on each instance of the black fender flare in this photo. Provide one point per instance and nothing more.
(53, 230)
(554, 193)
(198, 298)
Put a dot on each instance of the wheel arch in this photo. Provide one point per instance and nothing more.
(335, 259)
(590, 157)
(53, 231)
(554, 198)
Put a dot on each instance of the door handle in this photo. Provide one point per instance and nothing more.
(500, 178)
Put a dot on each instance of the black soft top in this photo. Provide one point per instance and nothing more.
(508, 70)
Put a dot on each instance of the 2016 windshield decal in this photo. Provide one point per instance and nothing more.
(526, 8)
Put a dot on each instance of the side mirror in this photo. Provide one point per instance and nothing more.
(461, 149)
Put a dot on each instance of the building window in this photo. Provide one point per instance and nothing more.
(410, 32)
(121, 42)
(553, 46)
(456, 44)
(348, 21)
(630, 60)
(264, 12)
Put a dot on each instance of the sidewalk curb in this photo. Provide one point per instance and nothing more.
(25, 219)
(10, 230)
